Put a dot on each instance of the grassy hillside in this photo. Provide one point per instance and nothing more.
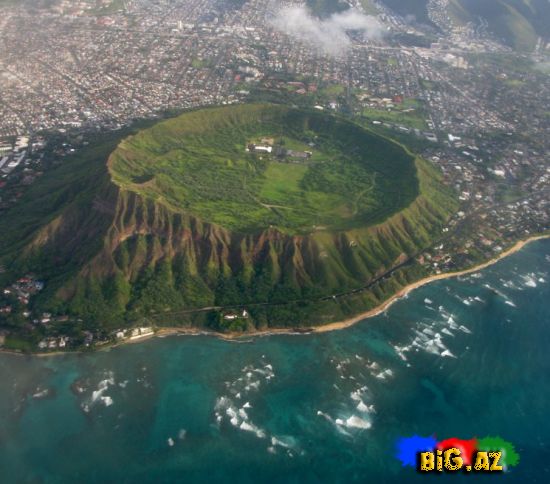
(198, 163)
(113, 253)
(517, 23)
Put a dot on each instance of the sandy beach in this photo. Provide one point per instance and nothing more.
(422, 282)
(338, 325)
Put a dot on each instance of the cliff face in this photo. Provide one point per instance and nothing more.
(143, 232)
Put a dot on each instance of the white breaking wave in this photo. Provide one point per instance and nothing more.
(387, 373)
(448, 353)
(249, 427)
(250, 381)
(529, 280)
(103, 387)
(99, 394)
(354, 422)
(41, 393)
(429, 334)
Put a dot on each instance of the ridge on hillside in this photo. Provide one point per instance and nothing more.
(130, 239)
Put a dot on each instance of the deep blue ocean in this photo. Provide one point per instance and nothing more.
(460, 358)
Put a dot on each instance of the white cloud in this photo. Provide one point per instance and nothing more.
(330, 34)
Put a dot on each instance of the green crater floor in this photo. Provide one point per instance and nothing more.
(200, 163)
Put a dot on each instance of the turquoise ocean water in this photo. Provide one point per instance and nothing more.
(457, 358)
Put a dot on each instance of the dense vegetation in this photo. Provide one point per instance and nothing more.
(198, 163)
(415, 8)
(518, 23)
(122, 253)
(325, 8)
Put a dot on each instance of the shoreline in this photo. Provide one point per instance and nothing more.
(422, 282)
(324, 328)
(340, 325)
